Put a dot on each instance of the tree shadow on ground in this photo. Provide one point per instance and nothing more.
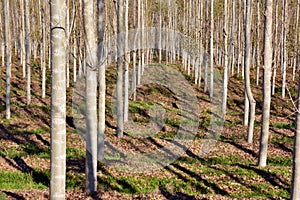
(13, 195)
(239, 146)
(176, 196)
(270, 177)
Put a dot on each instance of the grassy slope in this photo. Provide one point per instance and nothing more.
(228, 171)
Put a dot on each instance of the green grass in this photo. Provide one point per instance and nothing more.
(45, 108)
(282, 139)
(168, 135)
(233, 123)
(36, 180)
(19, 180)
(280, 161)
(284, 125)
(3, 196)
(74, 153)
(33, 150)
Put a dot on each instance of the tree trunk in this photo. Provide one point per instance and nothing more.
(28, 52)
(276, 44)
(225, 77)
(295, 192)
(58, 100)
(23, 54)
(127, 62)
(284, 48)
(43, 51)
(296, 46)
(68, 43)
(264, 135)
(233, 39)
(247, 70)
(8, 55)
(89, 23)
(211, 92)
(102, 84)
(257, 43)
(120, 63)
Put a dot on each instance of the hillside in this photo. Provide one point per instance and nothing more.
(228, 171)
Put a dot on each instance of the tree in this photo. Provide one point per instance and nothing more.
(127, 62)
(120, 62)
(8, 55)
(28, 52)
(58, 99)
(284, 46)
(275, 52)
(89, 22)
(247, 57)
(23, 54)
(211, 48)
(295, 193)
(267, 73)
(225, 78)
(101, 76)
(258, 43)
(296, 39)
(43, 51)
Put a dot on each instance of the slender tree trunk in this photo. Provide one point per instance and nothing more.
(239, 43)
(247, 70)
(8, 55)
(233, 38)
(58, 100)
(23, 54)
(211, 92)
(43, 51)
(276, 44)
(89, 22)
(139, 54)
(264, 135)
(295, 192)
(285, 57)
(68, 42)
(258, 44)
(296, 46)
(225, 78)
(75, 55)
(127, 62)
(120, 63)
(2, 42)
(28, 52)
(102, 84)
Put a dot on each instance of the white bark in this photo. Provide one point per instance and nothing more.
(127, 62)
(43, 51)
(247, 58)
(58, 100)
(28, 52)
(296, 44)
(120, 63)
(295, 192)
(102, 84)
(225, 77)
(258, 44)
(284, 48)
(276, 44)
(8, 55)
(267, 73)
(23, 53)
(68, 43)
(211, 91)
(89, 22)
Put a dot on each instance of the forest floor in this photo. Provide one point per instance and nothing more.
(229, 171)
